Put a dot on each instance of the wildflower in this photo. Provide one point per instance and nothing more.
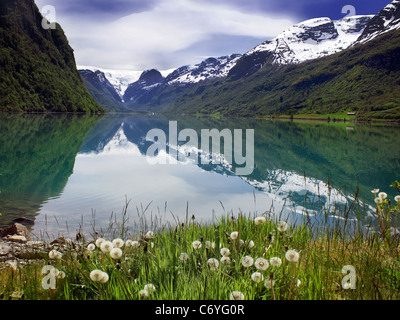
(183, 256)
(213, 263)
(91, 247)
(135, 244)
(382, 195)
(106, 246)
(247, 261)
(236, 295)
(261, 264)
(150, 287)
(61, 275)
(250, 244)
(118, 243)
(378, 200)
(282, 226)
(375, 191)
(234, 235)
(292, 256)
(225, 252)
(210, 245)
(196, 244)
(99, 241)
(241, 243)
(54, 254)
(143, 293)
(99, 276)
(397, 198)
(149, 235)
(128, 243)
(259, 220)
(225, 260)
(257, 277)
(275, 262)
(116, 253)
(269, 283)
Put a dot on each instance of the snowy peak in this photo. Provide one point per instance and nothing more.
(210, 68)
(313, 39)
(386, 20)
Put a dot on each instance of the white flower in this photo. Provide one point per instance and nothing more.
(150, 287)
(241, 243)
(99, 276)
(234, 235)
(143, 293)
(196, 244)
(149, 235)
(91, 247)
(250, 244)
(247, 261)
(54, 254)
(275, 262)
(257, 277)
(382, 195)
(259, 220)
(397, 198)
(375, 191)
(116, 253)
(210, 245)
(378, 200)
(118, 243)
(99, 241)
(213, 263)
(225, 260)
(61, 275)
(225, 252)
(282, 226)
(298, 284)
(292, 256)
(236, 295)
(183, 256)
(106, 246)
(261, 264)
(135, 244)
(269, 283)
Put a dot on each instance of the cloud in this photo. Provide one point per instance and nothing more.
(153, 36)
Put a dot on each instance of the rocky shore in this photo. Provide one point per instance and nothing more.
(18, 249)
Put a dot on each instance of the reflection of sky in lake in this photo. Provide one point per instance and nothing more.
(102, 182)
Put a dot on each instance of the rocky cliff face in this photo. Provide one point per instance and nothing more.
(37, 65)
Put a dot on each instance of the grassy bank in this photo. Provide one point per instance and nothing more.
(244, 257)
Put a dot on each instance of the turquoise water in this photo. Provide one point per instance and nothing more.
(68, 173)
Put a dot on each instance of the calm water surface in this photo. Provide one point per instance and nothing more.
(69, 172)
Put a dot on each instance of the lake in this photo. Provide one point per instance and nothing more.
(70, 173)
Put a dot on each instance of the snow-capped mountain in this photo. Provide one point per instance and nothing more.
(386, 20)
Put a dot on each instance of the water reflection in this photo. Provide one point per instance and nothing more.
(307, 168)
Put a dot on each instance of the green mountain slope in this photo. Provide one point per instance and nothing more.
(37, 66)
(364, 79)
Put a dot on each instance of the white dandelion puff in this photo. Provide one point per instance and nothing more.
(183, 256)
(236, 295)
(250, 244)
(196, 244)
(259, 220)
(225, 252)
(91, 247)
(292, 256)
(106, 246)
(143, 293)
(97, 275)
(378, 200)
(275, 262)
(234, 235)
(397, 198)
(116, 253)
(382, 195)
(55, 255)
(225, 260)
(149, 235)
(247, 261)
(99, 241)
(375, 191)
(135, 244)
(213, 263)
(210, 245)
(261, 264)
(269, 283)
(257, 277)
(118, 243)
(150, 287)
(282, 226)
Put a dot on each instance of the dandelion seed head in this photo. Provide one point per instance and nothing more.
(257, 277)
(247, 261)
(282, 226)
(91, 247)
(106, 246)
(261, 264)
(236, 295)
(234, 235)
(184, 256)
(135, 244)
(250, 244)
(397, 198)
(225, 260)
(275, 262)
(269, 283)
(375, 191)
(378, 200)
(213, 263)
(210, 245)
(116, 253)
(149, 235)
(128, 243)
(382, 195)
(259, 220)
(118, 243)
(99, 241)
(55, 255)
(96, 275)
(150, 287)
(292, 256)
(143, 293)
(196, 244)
(225, 252)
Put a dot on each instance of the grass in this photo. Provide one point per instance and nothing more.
(178, 260)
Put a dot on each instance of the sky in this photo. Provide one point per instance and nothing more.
(165, 34)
